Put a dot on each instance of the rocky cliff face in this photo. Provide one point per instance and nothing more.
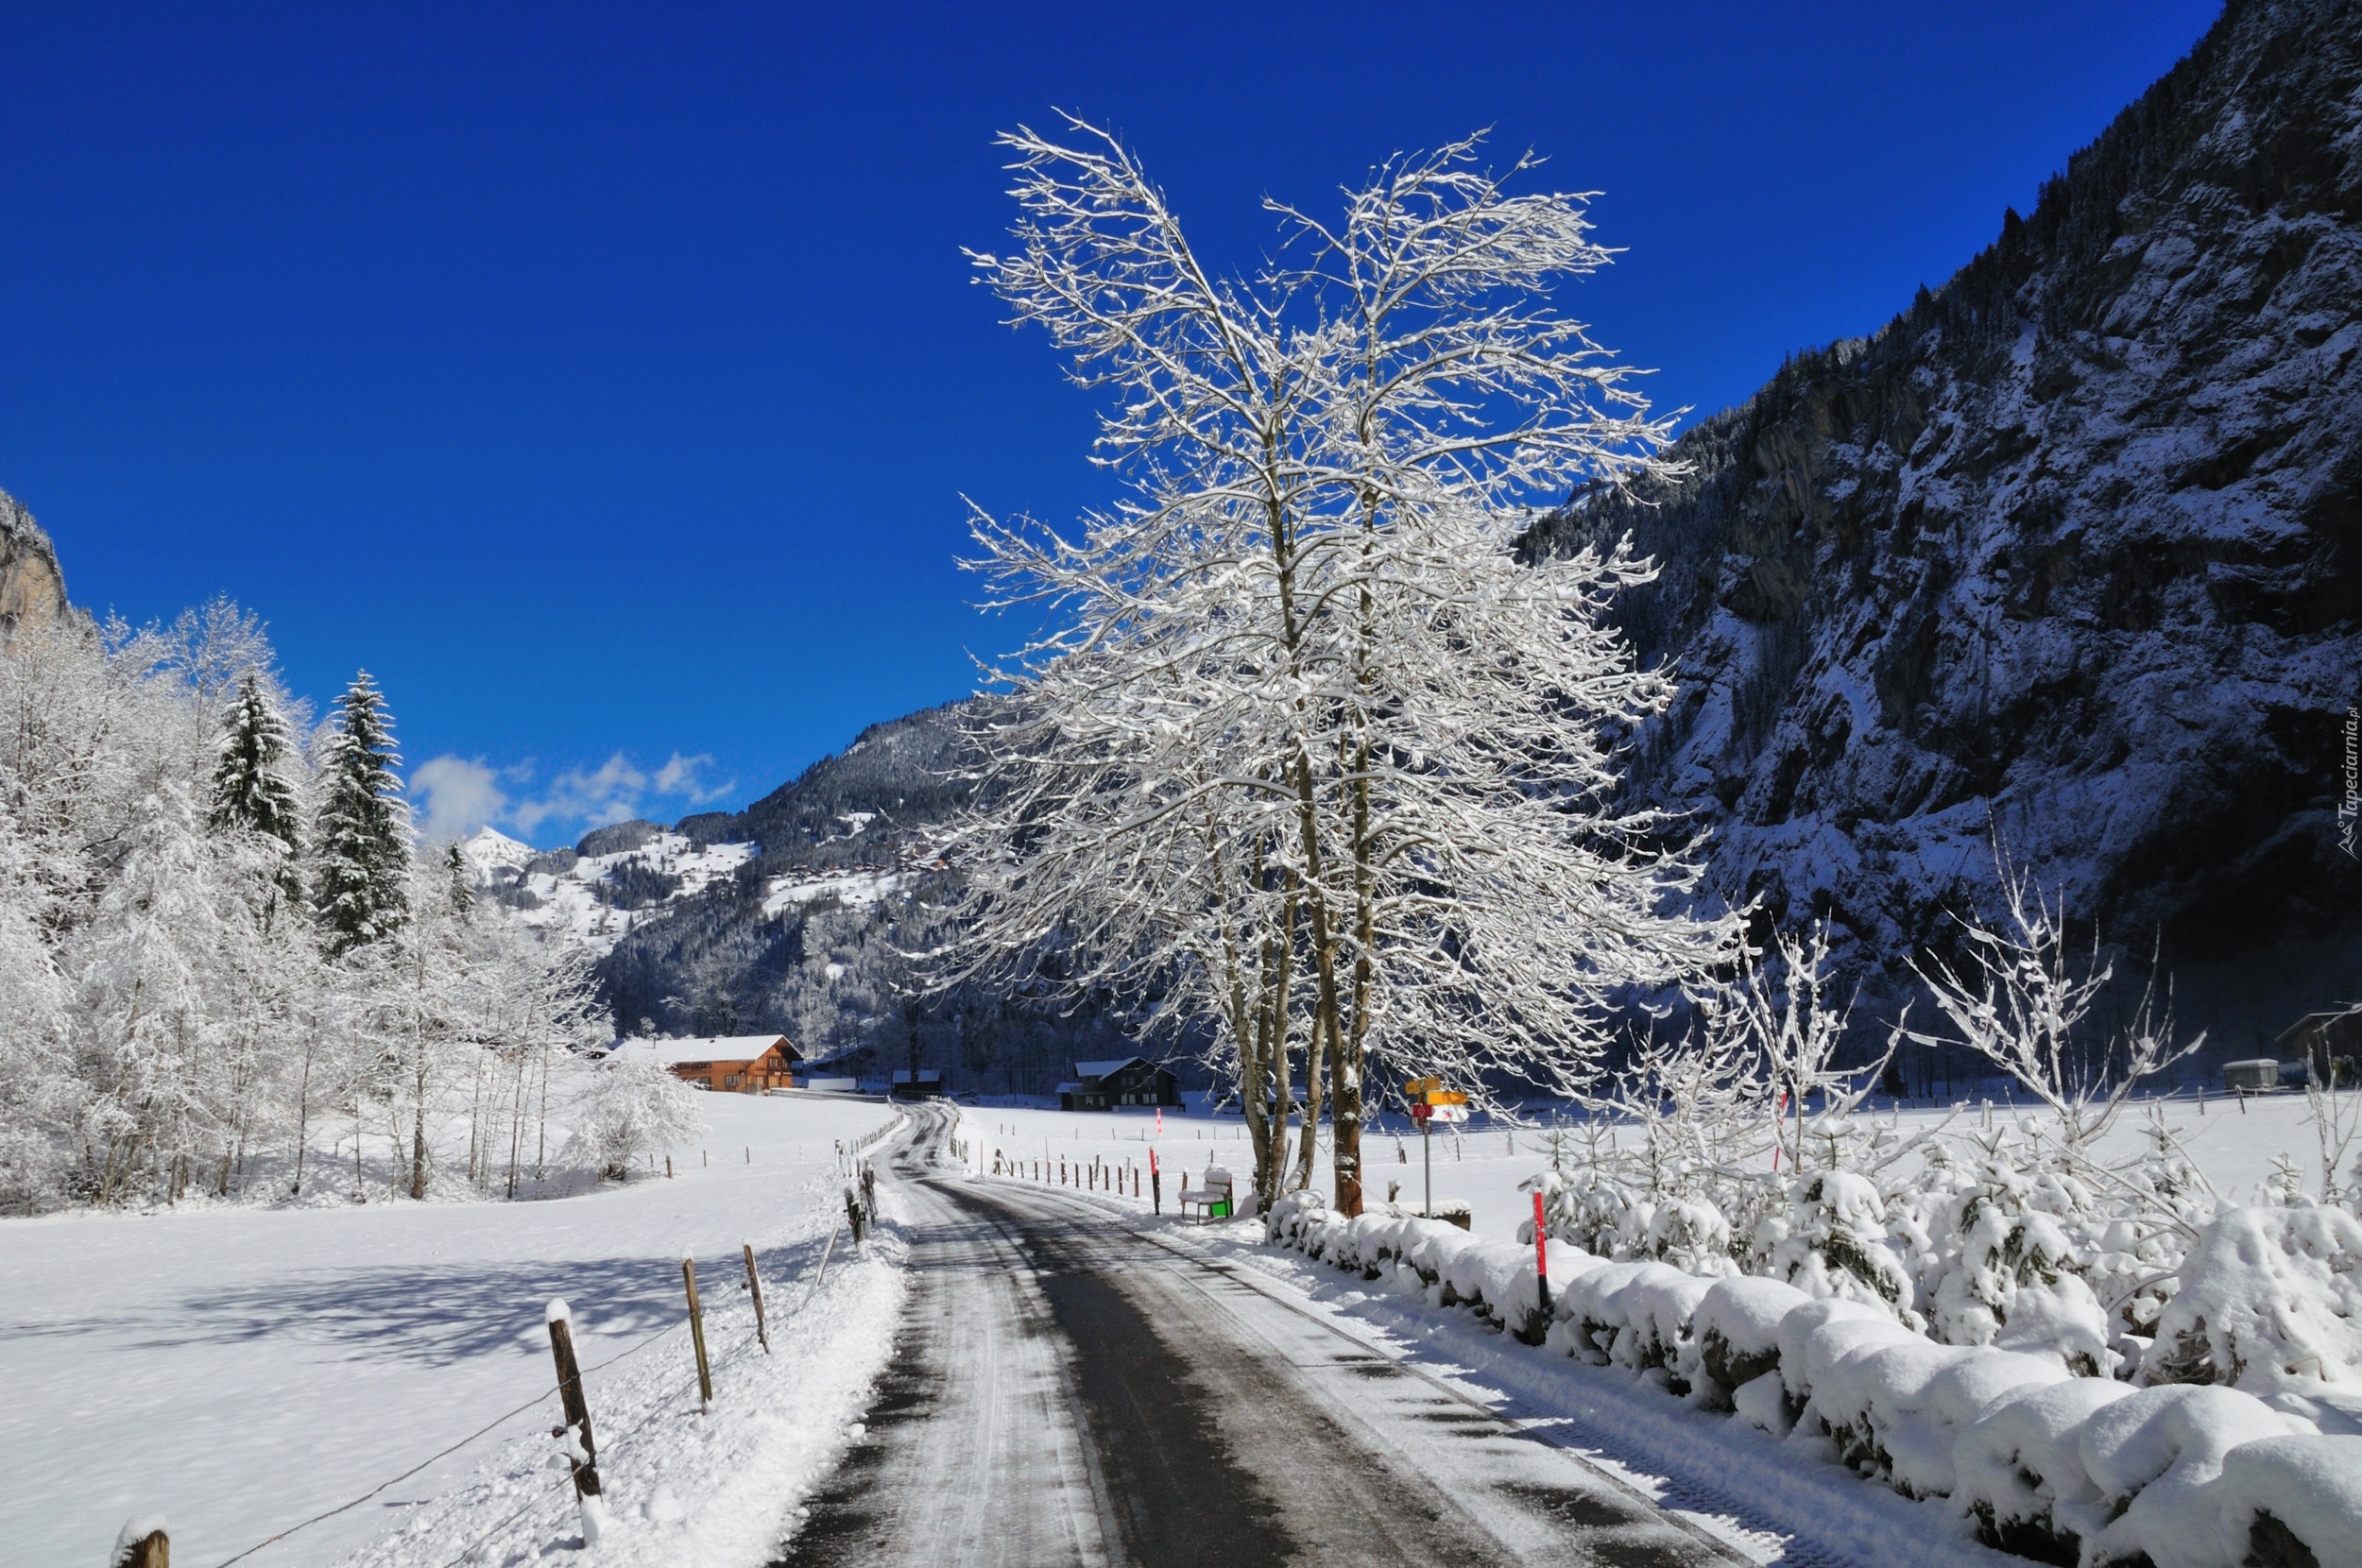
(32, 589)
(2070, 551)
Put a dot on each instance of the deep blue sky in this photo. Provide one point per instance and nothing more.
(605, 380)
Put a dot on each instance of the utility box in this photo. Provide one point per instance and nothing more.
(2251, 1077)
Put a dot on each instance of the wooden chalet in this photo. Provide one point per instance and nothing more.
(1111, 1085)
(742, 1063)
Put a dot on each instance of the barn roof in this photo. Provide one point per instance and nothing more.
(733, 1047)
(1115, 1064)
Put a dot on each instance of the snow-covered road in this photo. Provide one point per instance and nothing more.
(1074, 1385)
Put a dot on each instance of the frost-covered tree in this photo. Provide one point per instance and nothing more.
(631, 1108)
(163, 1035)
(2022, 1001)
(253, 792)
(1309, 752)
(362, 834)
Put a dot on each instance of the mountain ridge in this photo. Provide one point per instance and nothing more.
(2069, 552)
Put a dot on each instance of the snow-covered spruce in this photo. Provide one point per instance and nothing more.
(2016, 1447)
(225, 971)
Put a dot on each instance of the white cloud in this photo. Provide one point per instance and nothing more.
(616, 790)
(460, 796)
(685, 776)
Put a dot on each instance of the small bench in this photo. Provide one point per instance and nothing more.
(1212, 1198)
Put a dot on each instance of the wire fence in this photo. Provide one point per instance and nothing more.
(722, 1294)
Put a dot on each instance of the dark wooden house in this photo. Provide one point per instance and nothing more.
(1113, 1085)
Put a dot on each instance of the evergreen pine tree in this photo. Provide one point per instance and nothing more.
(364, 826)
(251, 792)
(461, 877)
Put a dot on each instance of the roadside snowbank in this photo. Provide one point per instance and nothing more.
(682, 1483)
(2009, 1444)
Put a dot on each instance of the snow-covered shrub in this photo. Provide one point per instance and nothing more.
(1896, 1408)
(631, 1108)
(1658, 1306)
(1593, 1306)
(2137, 1249)
(2283, 1502)
(2153, 1459)
(2016, 1466)
(1736, 1333)
(1692, 1235)
(2269, 1300)
(1991, 1246)
(1287, 1220)
(1819, 1332)
(1832, 1242)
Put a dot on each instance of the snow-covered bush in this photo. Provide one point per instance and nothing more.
(2070, 1470)
(1991, 1246)
(631, 1108)
(1816, 1334)
(1735, 1336)
(1897, 1409)
(2282, 1501)
(2153, 1459)
(2018, 1468)
(2269, 1300)
(1692, 1235)
(1832, 1241)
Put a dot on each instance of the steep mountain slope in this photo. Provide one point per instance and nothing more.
(2071, 550)
(820, 967)
(807, 936)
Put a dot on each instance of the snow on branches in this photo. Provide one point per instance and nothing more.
(1307, 755)
(174, 1020)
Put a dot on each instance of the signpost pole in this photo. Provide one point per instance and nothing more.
(1427, 1166)
(1541, 1256)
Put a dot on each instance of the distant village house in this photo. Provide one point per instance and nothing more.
(2328, 1044)
(925, 1084)
(1111, 1085)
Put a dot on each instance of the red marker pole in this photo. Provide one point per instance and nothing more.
(1155, 1181)
(1541, 1254)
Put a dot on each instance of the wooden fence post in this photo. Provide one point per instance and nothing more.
(754, 1288)
(697, 1328)
(142, 1543)
(582, 1452)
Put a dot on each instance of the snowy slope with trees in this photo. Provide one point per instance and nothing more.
(2068, 549)
(627, 874)
(227, 959)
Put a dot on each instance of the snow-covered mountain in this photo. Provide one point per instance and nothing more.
(2071, 547)
(600, 897)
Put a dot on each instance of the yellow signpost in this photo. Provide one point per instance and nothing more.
(1430, 1102)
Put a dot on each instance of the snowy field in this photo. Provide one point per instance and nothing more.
(1482, 1166)
(237, 1370)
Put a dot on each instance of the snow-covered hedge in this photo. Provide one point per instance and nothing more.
(2028, 1451)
